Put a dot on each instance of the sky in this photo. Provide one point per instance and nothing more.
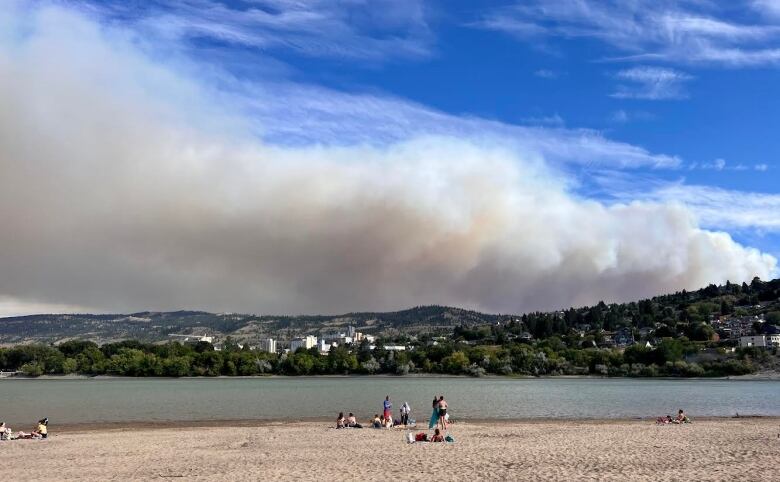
(287, 157)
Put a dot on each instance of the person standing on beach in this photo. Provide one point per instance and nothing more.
(405, 411)
(388, 407)
(443, 412)
(434, 414)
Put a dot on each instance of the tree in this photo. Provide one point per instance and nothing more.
(456, 363)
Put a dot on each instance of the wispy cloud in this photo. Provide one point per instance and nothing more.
(622, 116)
(360, 29)
(713, 207)
(651, 83)
(546, 74)
(679, 31)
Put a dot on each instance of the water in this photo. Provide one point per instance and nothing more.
(126, 399)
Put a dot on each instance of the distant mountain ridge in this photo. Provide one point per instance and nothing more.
(156, 326)
(758, 297)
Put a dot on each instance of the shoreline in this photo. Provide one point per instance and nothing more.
(760, 376)
(321, 422)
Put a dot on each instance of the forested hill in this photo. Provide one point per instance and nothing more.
(156, 326)
(673, 314)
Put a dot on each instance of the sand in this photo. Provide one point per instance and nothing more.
(722, 449)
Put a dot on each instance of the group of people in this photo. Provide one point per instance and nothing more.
(385, 421)
(40, 432)
(439, 422)
(681, 418)
(439, 416)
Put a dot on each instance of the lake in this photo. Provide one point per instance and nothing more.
(69, 401)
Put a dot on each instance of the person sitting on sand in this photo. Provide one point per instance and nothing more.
(341, 422)
(681, 417)
(437, 436)
(377, 422)
(42, 429)
(352, 421)
(388, 421)
(5, 432)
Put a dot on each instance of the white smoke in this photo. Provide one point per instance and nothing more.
(126, 184)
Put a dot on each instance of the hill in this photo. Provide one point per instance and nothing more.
(695, 314)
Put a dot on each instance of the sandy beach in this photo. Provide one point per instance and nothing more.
(718, 449)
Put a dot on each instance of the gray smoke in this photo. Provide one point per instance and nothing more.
(125, 185)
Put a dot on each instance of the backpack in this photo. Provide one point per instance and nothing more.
(421, 437)
(449, 438)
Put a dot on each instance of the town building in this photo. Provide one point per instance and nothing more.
(307, 342)
(760, 341)
(267, 345)
(192, 338)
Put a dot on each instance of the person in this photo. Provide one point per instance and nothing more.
(5, 432)
(387, 406)
(437, 436)
(42, 429)
(681, 417)
(377, 422)
(443, 412)
(435, 414)
(405, 411)
(352, 421)
(341, 422)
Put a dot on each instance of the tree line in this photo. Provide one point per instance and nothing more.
(552, 356)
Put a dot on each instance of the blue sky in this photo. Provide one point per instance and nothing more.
(630, 127)
(696, 80)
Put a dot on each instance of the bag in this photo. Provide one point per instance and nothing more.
(409, 438)
(449, 439)
(421, 437)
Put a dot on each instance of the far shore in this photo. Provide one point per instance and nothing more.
(771, 376)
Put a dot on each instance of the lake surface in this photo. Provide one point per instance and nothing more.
(67, 401)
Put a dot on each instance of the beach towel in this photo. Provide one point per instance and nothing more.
(434, 418)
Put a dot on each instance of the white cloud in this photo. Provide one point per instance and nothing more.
(651, 83)
(679, 31)
(150, 191)
(769, 8)
(712, 207)
(761, 167)
(550, 120)
(367, 30)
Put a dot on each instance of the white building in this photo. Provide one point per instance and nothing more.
(192, 338)
(762, 341)
(308, 341)
(324, 346)
(268, 345)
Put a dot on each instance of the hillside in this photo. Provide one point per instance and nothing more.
(696, 314)
(156, 326)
